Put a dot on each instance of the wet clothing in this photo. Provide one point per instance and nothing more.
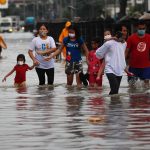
(40, 44)
(45, 67)
(41, 75)
(73, 49)
(142, 73)
(139, 51)
(93, 68)
(73, 56)
(73, 67)
(21, 73)
(114, 82)
(114, 54)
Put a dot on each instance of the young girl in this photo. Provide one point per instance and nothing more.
(113, 52)
(95, 66)
(43, 46)
(73, 44)
(20, 68)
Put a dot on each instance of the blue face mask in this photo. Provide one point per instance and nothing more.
(141, 32)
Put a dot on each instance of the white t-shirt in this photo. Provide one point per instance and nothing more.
(40, 44)
(114, 54)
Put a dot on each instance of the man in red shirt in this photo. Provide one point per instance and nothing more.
(138, 53)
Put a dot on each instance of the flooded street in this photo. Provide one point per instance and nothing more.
(60, 118)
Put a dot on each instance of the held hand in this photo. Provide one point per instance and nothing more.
(47, 58)
(97, 78)
(36, 63)
(128, 72)
(4, 79)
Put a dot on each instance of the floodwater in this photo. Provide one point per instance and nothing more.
(60, 118)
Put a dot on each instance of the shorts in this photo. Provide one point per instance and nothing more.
(73, 67)
(142, 73)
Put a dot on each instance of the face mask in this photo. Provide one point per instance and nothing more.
(20, 62)
(106, 37)
(42, 33)
(71, 35)
(141, 32)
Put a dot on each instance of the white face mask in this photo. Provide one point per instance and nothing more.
(42, 33)
(71, 35)
(20, 62)
(106, 37)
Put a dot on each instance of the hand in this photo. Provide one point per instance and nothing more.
(97, 78)
(36, 63)
(47, 58)
(128, 72)
(4, 79)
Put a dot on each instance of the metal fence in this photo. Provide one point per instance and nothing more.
(93, 29)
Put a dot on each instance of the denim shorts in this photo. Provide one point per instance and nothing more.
(142, 73)
(73, 67)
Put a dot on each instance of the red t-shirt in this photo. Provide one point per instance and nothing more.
(139, 51)
(21, 73)
(94, 63)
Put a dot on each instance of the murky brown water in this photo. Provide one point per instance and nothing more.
(58, 118)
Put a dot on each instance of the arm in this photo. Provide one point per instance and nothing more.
(4, 79)
(101, 51)
(127, 53)
(2, 43)
(48, 51)
(31, 67)
(35, 62)
(101, 70)
(58, 51)
(86, 52)
(128, 72)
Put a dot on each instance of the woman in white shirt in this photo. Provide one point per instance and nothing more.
(43, 46)
(113, 52)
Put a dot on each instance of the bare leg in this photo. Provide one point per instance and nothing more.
(146, 83)
(78, 81)
(70, 79)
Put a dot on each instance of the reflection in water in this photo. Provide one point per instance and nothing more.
(140, 117)
(98, 117)
(116, 123)
(74, 104)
